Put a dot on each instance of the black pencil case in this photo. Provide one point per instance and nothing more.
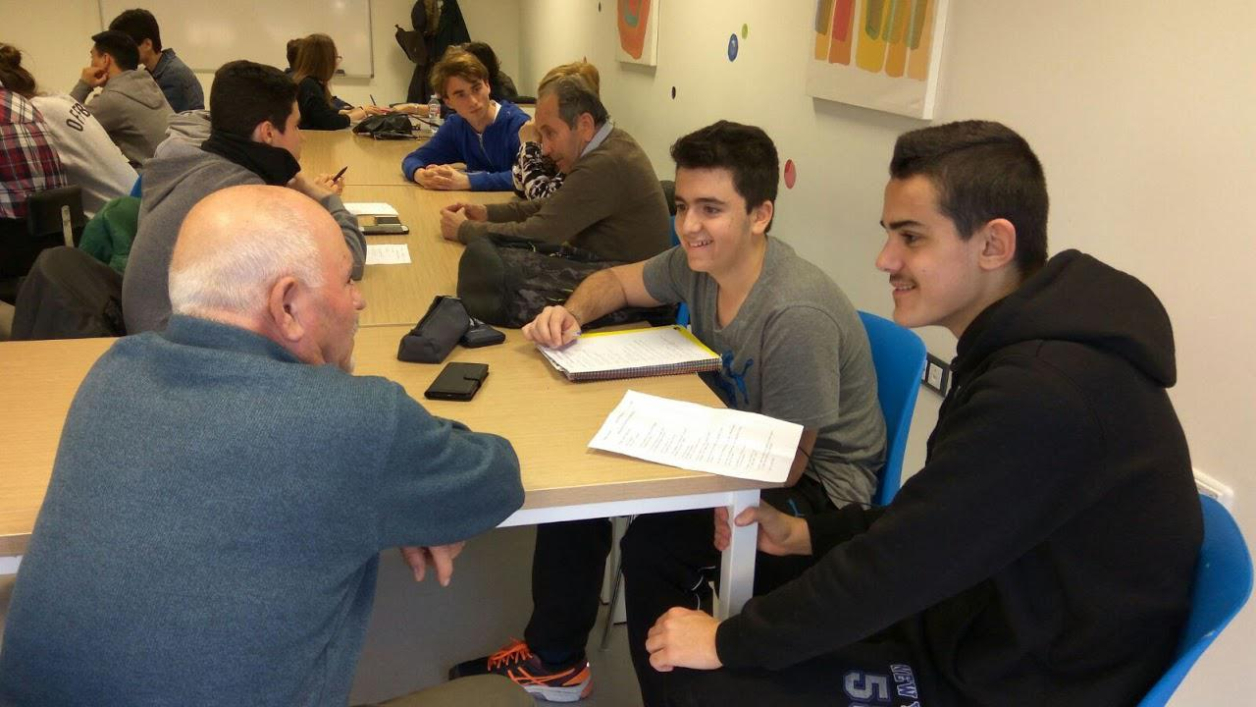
(437, 333)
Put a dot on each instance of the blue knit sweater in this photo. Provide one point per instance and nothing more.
(212, 528)
(488, 157)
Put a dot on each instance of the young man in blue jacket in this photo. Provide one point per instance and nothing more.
(484, 135)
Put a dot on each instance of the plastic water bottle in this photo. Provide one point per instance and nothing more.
(433, 112)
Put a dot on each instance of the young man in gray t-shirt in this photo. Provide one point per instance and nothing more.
(793, 348)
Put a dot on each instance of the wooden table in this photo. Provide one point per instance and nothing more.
(548, 419)
(400, 294)
(371, 162)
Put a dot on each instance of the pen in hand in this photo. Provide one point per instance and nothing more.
(340, 174)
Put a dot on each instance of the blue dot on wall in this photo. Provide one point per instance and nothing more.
(732, 47)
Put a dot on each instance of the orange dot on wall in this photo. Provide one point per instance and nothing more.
(791, 174)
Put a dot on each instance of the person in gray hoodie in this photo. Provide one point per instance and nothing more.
(130, 106)
(253, 139)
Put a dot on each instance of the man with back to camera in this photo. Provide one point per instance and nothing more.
(130, 106)
(182, 90)
(1044, 554)
(793, 348)
(611, 203)
(223, 489)
(254, 139)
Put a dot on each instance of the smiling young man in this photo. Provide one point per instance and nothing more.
(793, 348)
(1044, 554)
(611, 203)
(483, 134)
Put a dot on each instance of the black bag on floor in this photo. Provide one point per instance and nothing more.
(507, 281)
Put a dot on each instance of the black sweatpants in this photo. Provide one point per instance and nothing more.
(567, 569)
(669, 560)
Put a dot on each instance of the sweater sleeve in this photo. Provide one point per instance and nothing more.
(589, 195)
(442, 483)
(490, 181)
(349, 228)
(442, 148)
(1007, 468)
(80, 92)
(316, 112)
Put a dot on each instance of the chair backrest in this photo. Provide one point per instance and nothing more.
(899, 358)
(52, 212)
(1223, 582)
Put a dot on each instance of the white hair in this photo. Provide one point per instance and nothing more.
(238, 277)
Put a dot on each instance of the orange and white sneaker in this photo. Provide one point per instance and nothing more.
(569, 683)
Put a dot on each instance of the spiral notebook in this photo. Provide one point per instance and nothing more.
(632, 353)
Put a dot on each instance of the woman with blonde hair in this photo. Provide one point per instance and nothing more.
(535, 176)
(316, 63)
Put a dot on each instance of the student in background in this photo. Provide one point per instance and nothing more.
(535, 176)
(28, 164)
(254, 139)
(1044, 554)
(316, 64)
(177, 82)
(89, 157)
(131, 107)
(294, 46)
(501, 86)
(483, 135)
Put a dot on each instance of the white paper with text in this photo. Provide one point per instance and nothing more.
(691, 436)
(370, 208)
(387, 254)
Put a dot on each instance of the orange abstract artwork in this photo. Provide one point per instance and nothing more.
(638, 25)
(879, 54)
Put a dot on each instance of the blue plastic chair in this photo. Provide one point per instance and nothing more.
(1223, 582)
(899, 357)
(137, 188)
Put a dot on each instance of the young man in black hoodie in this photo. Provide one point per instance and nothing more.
(1044, 554)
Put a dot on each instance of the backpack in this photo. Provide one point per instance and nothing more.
(507, 281)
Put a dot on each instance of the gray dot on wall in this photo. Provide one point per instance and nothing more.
(599, 7)
(673, 93)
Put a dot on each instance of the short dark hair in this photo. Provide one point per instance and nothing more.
(576, 96)
(119, 46)
(138, 25)
(744, 150)
(982, 171)
(245, 94)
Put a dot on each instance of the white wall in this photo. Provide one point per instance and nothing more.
(55, 44)
(1142, 114)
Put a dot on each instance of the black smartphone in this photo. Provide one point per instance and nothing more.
(385, 226)
(457, 381)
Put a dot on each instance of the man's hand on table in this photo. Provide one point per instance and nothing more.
(317, 187)
(451, 218)
(442, 177)
(555, 326)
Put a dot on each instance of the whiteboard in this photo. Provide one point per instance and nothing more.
(207, 35)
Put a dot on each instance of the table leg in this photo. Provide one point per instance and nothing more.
(737, 565)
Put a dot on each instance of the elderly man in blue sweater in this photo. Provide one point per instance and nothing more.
(223, 489)
(483, 135)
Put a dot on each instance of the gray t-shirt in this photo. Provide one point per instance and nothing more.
(796, 351)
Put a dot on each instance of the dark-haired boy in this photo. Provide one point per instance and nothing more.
(793, 348)
(254, 139)
(130, 106)
(1044, 554)
(176, 80)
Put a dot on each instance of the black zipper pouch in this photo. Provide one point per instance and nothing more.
(437, 333)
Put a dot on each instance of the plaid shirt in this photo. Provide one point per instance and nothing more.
(28, 162)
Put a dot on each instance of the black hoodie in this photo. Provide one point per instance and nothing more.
(1044, 554)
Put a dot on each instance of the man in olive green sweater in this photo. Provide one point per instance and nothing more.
(611, 203)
